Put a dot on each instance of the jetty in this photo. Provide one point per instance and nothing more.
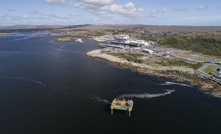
(118, 104)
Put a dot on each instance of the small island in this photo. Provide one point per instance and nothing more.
(67, 39)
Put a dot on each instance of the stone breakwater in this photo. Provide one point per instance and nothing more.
(179, 74)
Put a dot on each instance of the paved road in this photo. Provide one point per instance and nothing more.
(203, 74)
(202, 68)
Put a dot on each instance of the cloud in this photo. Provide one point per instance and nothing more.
(164, 10)
(98, 2)
(25, 16)
(57, 2)
(105, 8)
(219, 6)
(213, 20)
(154, 11)
(203, 7)
(129, 10)
(33, 12)
(42, 18)
(49, 16)
(4, 16)
(182, 9)
(12, 10)
(202, 20)
(57, 17)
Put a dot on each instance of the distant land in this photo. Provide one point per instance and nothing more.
(31, 28)
(150, 28)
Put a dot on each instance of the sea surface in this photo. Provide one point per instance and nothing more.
(54, 88)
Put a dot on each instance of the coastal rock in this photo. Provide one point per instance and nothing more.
(179, 74)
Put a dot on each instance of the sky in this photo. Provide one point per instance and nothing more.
(75, 12)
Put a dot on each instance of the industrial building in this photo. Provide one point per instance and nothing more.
(148, 51)
(122, 36)
(140, 42)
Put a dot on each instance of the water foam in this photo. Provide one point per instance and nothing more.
(23, 78)
(174, 83)
(33, 81)
(146, 95)
(96, 98)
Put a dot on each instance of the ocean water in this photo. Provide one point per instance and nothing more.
(47, 91)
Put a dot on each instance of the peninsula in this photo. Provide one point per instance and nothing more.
(67, 39)
(181, 56)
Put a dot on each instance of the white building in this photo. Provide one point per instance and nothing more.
(135, 48)
(219, 74)
(122, 36)
(141, 42)
(148, 51)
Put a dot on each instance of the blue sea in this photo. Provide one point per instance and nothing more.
(54, 88)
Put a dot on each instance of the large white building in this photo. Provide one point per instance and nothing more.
(122, 36)
(148, 51)
(141, 42)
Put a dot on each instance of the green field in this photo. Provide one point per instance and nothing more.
(176, 63)
(128, 56)
(65, 39)
(209, 44)
(156, 61)
(209, 69)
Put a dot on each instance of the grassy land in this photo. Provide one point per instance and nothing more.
(65, 39)
(209, 44)
(128, 56)
(209, 69)
(176, 63)
(85, 33)
(155, 61)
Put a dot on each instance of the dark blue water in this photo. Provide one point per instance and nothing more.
(47, 91)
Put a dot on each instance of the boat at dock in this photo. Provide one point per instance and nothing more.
(122, 105)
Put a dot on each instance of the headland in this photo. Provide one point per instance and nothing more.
(179, 74)
(67, 39)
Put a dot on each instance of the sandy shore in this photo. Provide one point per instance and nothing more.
(179, 74)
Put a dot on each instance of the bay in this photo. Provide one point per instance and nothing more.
(55, 88)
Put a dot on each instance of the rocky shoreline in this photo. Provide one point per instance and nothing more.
(67, 39)
(179, 74)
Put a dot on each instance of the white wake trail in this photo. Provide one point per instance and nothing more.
(33, 81)
(23, 78)
(174, 83)
(95, 98)
(146, 95)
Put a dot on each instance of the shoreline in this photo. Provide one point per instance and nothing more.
(67, 39)
(178, 74)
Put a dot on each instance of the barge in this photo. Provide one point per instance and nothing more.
(122, 105)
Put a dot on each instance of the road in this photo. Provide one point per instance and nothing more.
(203, 74)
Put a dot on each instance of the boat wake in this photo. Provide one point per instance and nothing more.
(174, 83)
(22, 78)
(33, 81)
(96, 99)
(146, 95)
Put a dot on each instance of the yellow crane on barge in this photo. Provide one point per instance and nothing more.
(122, 105)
